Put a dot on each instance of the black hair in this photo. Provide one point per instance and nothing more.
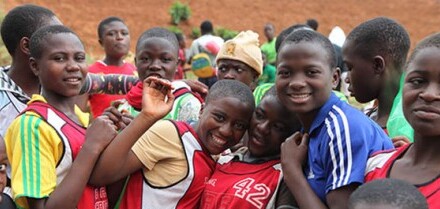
(286, 32)
(158, 32)
(231, 88)
(394, 192)
(382, 36)
(105, 22)
(430, 41)
(179, 37)
(206, 27)
(37, 42)
(313, 24)
(22, 21)
(313, 36)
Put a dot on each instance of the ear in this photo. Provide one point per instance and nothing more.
(201, 109)
(378, 65)
(336, 77)
(24, 45)
(100, 42)
(34, 66)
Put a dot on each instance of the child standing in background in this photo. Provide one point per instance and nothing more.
(114, 37)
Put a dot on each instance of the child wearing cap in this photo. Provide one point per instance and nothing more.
(240, 59)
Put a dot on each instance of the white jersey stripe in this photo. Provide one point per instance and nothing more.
(332, 151)
(347, 141)
(339, 149)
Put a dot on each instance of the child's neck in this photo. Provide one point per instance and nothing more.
(386, 98)
(113, 61)
(23, 77)
(426, 150)
(63, 104)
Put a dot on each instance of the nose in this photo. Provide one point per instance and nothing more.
(72, 65)
(119, 36)
(297, 82)
(229, 74)
(431, 93)
(155, 65)
(225, 130)
(263, 127)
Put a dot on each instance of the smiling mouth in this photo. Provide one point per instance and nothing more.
(73, 80)
(220, 142)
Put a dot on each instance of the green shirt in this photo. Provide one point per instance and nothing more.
(268, 75)
(268, 49)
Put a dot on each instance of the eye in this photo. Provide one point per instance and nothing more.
(239, 70)
(80, 58)
(240, 126)
(167, 59)
(259, 115)
(219, 117)
(311, 72)
(284, 73)
(416, 81)
(59, 58)
(221, 69)
(2, 167)
(125, 33)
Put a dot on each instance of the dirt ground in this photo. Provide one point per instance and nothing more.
(420, 17)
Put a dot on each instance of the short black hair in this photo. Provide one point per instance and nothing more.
(105, 22)
(158, 32)
(286, 32)
(299, 36)
(394, 192)
(430, 41)
(179, 37)
(37, 43)
(383, 36)
(313, 24)
(22, 21)
(206, 27)
(231, 88)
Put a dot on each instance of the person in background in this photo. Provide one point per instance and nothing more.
(207, 43)
(417, 163)
(180, 72)
(312, 23)
(269, 72)
(268, 47)
(114, 37)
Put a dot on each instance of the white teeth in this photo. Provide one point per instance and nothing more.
(72, 79)
(219, 141)
(300, 95)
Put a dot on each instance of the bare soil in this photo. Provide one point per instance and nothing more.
(420, 17)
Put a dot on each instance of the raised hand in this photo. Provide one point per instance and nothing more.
(294, 151)
(157, 97)
(197, 86)
(100, 133)
(120, 120)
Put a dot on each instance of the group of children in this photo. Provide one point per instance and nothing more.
(304, 147)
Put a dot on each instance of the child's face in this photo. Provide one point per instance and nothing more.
(236, 70)
(270, 125)
(115, 39)
(421, 92)
(222, 123)
(363, 82)
(304, 77)
(156, 57)
(62, 67)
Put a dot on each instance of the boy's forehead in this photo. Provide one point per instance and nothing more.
(154, 42)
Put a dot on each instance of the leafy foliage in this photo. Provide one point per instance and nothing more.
(226, 34)
(179, 12)
(195, 33)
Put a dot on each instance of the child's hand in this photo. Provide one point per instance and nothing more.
(99, 134)
(294, 151)
(120, 120)
(157, 98)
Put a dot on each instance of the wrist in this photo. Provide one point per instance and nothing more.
(148, 117)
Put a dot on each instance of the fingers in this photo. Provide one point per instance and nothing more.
(305, 140)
